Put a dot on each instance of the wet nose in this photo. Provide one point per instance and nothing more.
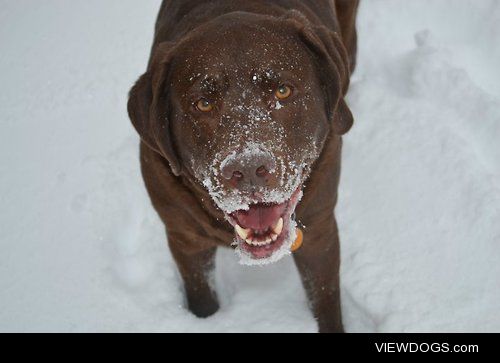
(248, 169)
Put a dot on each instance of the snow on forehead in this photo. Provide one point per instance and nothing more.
(239, 50)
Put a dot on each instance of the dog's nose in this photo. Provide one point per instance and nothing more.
(248, 169)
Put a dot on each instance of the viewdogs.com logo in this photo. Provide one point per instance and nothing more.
(425, 348)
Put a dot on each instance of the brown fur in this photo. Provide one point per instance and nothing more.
(195, 226)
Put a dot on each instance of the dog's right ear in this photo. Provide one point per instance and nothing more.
(148, 106)
(139, 102)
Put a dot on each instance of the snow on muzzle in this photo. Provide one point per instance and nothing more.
(258, 190)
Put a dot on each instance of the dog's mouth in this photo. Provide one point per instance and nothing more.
(265, 230)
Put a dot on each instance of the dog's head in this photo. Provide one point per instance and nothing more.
(243, 106)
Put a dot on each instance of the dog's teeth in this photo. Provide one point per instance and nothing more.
(274, 237)
(263, 243)
(278, 227)
(252, 242)
(242, 232)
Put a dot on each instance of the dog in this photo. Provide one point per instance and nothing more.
(241, 114)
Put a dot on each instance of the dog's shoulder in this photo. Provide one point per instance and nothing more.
(184, 208)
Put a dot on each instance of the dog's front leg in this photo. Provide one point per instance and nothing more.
(318, 262)
(196, 269)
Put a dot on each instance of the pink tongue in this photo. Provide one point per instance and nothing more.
(260, 216)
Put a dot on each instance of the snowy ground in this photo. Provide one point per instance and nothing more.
(82, 250)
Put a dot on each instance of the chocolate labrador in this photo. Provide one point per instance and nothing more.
(240, 113)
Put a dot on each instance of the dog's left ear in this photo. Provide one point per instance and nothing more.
(333, 63)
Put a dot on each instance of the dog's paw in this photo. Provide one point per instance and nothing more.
(204, 309)
(325, 328)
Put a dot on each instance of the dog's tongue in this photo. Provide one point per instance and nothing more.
(260, 216)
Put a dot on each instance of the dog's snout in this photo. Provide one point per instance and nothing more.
(245, 173)
(262, 171)
(252, 169)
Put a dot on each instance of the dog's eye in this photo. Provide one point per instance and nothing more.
(283, 92)
(204, 105)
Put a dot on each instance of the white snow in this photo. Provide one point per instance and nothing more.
(82, 249)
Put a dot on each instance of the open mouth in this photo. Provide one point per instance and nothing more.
(265, 229)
